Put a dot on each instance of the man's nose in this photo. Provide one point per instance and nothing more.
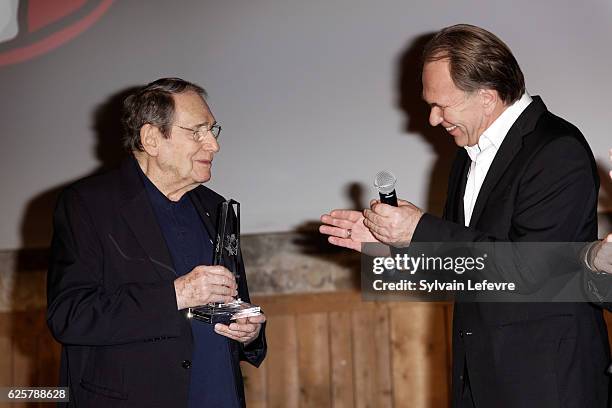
(435, 116)
(210, 143)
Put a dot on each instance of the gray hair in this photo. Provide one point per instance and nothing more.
(153, 104)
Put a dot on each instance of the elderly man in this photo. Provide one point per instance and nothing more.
(132, 251)
(521, 175)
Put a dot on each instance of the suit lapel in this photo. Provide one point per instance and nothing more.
(461, 189)
(138, 214)
(509, 148)
(457, 184)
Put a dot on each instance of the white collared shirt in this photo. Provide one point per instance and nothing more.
(483, 153)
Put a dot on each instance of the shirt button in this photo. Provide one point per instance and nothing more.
(464, 333)
(186, 364)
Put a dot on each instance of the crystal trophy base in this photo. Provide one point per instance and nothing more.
(224, 312)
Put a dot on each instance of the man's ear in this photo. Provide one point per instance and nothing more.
(489, 99)
(150, 138)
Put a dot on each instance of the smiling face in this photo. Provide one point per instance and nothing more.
(464, 115)
(183, 161)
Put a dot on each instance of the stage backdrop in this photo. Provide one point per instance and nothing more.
(314, 96)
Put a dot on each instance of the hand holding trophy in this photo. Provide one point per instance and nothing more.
(227, 253)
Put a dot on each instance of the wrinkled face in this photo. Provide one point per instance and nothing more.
(184, 161)
(462, 114)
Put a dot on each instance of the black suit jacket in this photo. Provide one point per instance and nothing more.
(541, 187)
(111, 298)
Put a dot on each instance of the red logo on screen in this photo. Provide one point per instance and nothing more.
(32, 28)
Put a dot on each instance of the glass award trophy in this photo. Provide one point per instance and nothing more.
(226, 253)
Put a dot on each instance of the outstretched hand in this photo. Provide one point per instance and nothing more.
(601, 255)
(346, 229)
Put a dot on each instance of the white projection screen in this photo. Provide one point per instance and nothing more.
(314, 96)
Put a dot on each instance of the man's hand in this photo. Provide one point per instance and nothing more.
(600, 255)
(392, 225)
(203, 285)
(346, 229)
(244, 330)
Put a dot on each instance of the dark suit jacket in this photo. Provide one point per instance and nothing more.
(111, 299)
(541, 187)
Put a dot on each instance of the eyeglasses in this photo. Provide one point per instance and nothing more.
(199, 133)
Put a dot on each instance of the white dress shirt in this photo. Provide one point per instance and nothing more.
(483, 153)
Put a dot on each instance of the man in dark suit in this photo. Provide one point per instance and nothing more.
(521, 175)
(132, 251)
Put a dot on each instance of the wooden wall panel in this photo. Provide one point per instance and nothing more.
(325, 350)
(255, 384)
(25, 349)
(282, 363)
(313, 360)
(420, 355)
(608, 317)
(371, 359)
(6, 353)
(341, 347)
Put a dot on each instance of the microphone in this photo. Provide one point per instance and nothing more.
(385, 183)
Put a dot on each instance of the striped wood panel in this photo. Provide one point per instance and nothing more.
(325, 350)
